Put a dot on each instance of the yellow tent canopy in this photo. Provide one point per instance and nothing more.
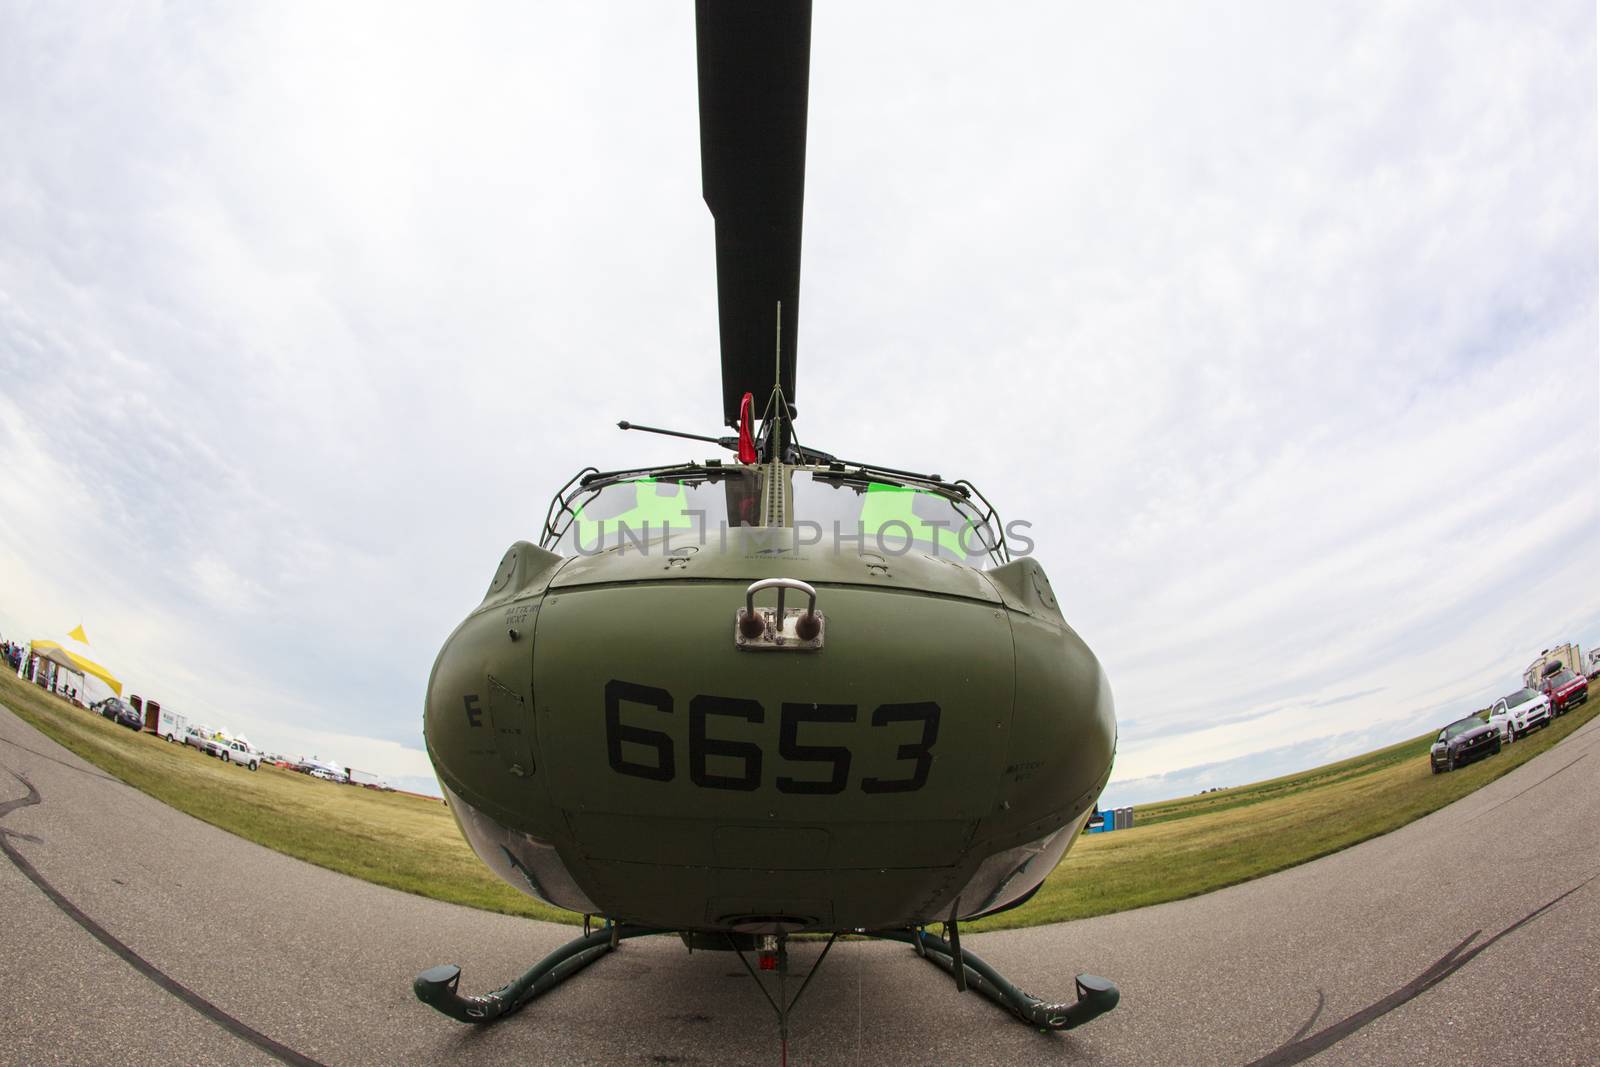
(74, 660)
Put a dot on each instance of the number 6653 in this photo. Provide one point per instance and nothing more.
(830, 773)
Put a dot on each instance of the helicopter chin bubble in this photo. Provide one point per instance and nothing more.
(521, 860)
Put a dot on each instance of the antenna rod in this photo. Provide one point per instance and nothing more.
(730, 443)
(778, 441)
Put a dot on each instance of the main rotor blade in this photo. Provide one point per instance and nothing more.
(755, 66)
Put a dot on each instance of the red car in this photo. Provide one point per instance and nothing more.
(1565, 690)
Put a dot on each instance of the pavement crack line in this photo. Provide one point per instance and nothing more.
(1535, 785)
(238, 1028)
(1298, 1049)
(69, 766)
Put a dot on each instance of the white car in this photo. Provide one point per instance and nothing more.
(324, 769)
(240, 752)
(1516, 714)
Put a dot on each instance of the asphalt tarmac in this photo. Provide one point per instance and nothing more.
(131, 934)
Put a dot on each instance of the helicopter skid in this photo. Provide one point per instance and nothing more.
(1096, 996)
(436, 987)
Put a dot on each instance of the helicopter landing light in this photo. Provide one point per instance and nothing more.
(776, 630)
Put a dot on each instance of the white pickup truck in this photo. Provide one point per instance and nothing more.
(240, 752)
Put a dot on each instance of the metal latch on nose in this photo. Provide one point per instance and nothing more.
(769, 630)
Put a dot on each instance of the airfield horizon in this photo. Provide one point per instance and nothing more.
(1178, 848)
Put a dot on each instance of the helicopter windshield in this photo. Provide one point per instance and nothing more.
(682, 506)
(897, 517)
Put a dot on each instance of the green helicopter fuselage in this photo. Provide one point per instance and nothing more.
(618, 733)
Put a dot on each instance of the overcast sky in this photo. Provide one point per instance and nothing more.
(1278, 322)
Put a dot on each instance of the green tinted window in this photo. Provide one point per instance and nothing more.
(898, 514)
(644, 510)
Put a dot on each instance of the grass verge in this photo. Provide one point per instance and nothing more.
(1182, 848)
(1177, 848)
(394, 839)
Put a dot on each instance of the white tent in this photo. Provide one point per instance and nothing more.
(72, 653)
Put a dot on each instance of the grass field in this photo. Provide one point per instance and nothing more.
(1192, 845)
(393, 839)
(1177, 848)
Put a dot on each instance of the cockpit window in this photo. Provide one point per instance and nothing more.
(639, 511)
(889, 517)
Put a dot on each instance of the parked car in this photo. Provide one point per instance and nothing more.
(241, 753)
(1518, 714)
(327, 770)
(1462, 742)
(1565, 690)
(122, 713)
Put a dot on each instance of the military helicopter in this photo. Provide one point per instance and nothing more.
(776, 692)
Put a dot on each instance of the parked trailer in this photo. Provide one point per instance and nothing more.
(163, 722)
(1551, 660)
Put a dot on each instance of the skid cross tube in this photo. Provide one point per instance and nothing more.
(436, 987)
(1096, 996)
(952, 932)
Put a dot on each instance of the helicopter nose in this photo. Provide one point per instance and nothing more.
(871, 752)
